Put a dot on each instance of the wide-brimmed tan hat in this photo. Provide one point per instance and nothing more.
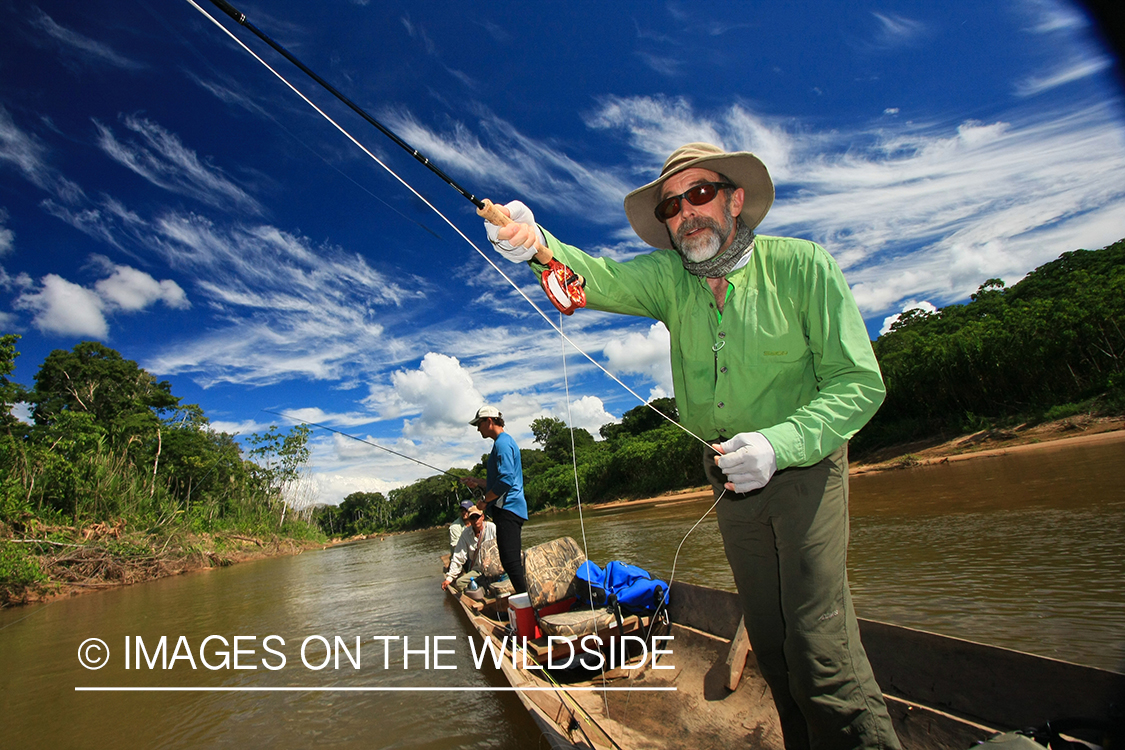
(742, 168)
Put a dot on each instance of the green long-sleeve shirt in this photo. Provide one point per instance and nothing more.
(790, 358)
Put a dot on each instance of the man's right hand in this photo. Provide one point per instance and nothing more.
(516, 242)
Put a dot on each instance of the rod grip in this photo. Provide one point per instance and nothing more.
(231, 11)
(493, 215)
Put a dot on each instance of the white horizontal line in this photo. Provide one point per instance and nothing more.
(366, 689)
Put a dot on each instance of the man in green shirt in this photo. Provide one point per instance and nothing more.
(773, 367)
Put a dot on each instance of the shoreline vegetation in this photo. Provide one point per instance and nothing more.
(116, 481)
(98, 562)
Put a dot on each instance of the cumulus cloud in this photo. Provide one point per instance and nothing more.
(440, 391)
(589, 413)
(64, 308)
(643, 354)
(890, 320)
(132, 290)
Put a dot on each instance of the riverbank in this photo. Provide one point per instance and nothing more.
(71, 561)
(1046, 436)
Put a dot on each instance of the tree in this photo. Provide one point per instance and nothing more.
(641, 419)
(556, 438)
(122, 398)
(10, 393)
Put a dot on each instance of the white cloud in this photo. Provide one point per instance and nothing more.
(896, 30)
(7, 236)
(28, 156)
(643, 354)
(441, 392)
(162, 159)
(86, 49)
(132, 290)
(22, 151)
(539, 173)
(294, 309)
(589, 413)
(890, 320)
(244, 427)
(69, 309)
(66, 309)
(1052, 16)
(1075, 70)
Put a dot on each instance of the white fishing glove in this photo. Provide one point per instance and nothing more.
(748, 460)
(522, 246)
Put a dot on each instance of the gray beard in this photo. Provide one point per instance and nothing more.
(700, 249)
(724, 263)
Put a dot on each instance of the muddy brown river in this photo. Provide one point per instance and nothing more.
(1025, 551)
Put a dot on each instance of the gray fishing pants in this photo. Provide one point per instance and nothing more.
(787, 546)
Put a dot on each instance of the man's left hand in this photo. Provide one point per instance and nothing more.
(748, 460)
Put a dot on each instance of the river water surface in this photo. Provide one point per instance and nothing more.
(1025, 551)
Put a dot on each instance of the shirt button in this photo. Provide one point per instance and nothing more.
(722, 369)
(721, 404)
(722, 335)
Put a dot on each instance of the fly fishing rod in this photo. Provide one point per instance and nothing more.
(564, 287)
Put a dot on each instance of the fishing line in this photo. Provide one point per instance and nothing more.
(407, 185)
(361, 440)
(169, 28)
(578, 494)
(241, 19)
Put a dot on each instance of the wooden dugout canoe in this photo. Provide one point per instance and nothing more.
(943, 693)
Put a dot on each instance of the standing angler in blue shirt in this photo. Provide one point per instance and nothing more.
(503, 492)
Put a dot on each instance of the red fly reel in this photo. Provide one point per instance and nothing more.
(564, 287)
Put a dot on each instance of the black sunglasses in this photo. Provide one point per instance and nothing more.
(696, 195)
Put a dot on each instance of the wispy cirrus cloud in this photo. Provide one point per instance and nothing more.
(291, 309)
(894, 30)
(160, 157)
(1076, 70)
(909, 209)
(28, 155)
(514, 161)
(82, 47)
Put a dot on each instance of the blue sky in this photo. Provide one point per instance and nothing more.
(162, 192)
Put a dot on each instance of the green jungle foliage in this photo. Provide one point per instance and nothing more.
(1048, 347)
(110, 443)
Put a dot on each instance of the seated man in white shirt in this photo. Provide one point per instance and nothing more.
(470, 557)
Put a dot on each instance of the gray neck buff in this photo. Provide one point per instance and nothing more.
(724, 262)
